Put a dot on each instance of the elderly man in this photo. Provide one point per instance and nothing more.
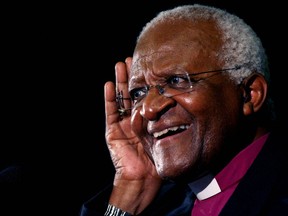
(189, 123)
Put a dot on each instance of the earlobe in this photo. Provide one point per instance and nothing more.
(248, 108)
(255, 87)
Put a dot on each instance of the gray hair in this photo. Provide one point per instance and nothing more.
(241, 48)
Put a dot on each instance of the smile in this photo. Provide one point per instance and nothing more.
(170, 131)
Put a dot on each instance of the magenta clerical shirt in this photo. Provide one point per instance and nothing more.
(213, 195)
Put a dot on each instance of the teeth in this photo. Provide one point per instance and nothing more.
(158, 134)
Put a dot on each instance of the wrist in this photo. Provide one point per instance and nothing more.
(134, 196)
(114, 211)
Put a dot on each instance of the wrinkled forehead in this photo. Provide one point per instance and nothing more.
(194, 46)
(150, 65)
(158, 63)
(152, 61)
(154, 64)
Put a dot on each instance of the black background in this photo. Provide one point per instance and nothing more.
(56, 57)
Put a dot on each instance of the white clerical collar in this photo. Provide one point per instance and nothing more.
(205, 187)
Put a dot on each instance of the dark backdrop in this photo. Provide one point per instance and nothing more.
(56, 59)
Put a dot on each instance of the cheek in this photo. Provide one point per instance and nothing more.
(213, 103)
(196, 104)
(137, 122)
(213, 116)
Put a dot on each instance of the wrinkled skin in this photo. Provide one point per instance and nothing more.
(213, 113)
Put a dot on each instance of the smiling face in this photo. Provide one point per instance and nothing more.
(184, 133)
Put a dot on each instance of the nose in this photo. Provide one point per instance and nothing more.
(155, 104)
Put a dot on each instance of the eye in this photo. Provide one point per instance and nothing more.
(174, 80)
(178, 81)
(138, 94)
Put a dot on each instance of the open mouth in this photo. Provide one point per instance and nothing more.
(170, 131)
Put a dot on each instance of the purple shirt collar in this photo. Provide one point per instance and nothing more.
(234, 171)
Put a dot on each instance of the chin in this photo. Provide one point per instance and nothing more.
(174, 175)
(184, 176)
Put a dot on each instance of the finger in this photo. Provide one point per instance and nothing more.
(122, 83)
(128, 62)
(111, 109)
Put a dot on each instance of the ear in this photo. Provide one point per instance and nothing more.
(255, 91)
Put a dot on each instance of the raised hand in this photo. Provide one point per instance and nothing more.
(134, 169)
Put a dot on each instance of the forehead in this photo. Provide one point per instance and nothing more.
(160, 59)
(155, 65)
(180, 44)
